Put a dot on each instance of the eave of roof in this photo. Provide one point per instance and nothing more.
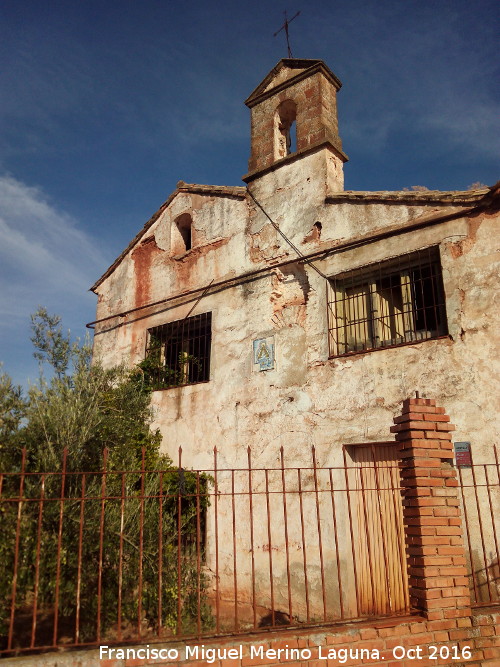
(455, 197)
(237, 191)
(305, 67)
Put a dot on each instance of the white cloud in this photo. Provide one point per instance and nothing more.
(45, 259)
(42, 251)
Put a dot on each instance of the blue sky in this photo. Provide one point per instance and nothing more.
(105, 105)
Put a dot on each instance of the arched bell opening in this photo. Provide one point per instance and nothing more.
(285, 129)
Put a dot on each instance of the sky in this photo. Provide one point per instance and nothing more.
(106, 104)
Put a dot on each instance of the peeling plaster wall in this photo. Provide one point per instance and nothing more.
(293, 196)
(204, 235)
(308, 399)
(150, 272)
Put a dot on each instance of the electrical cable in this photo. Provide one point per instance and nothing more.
(285, 237)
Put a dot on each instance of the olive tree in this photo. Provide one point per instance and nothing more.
(134, 532)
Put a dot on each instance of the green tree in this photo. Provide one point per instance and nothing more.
(12, 407)
(84, 419)
(50, 343)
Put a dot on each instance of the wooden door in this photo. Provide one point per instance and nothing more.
(379, 543)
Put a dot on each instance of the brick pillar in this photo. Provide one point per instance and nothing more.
(438, 581)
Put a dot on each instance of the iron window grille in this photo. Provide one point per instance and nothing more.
(178, 353)
(393, 302)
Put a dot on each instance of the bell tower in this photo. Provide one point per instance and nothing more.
(293, 115)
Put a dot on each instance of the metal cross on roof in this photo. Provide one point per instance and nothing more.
(285, 28)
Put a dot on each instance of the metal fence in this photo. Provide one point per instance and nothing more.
(479, 496)
(138, 555)
(128, 556)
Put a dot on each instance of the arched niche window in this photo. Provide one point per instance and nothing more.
(285, 129)
(182, 234)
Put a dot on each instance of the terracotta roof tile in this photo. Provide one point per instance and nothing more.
(455, 197)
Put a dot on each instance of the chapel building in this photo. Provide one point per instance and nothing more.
(289, 312)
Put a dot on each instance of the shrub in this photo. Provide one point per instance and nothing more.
(130, 525)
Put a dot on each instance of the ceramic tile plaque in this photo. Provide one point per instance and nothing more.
(263, 354)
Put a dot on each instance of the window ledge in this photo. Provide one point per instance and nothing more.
(181, 386)
(389, 347)
(199, 249)
(183, 255)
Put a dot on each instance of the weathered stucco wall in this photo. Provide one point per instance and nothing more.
(153, 270)
(307, 398)
(236, 253)
(243, 271)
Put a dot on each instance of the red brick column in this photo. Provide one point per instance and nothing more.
(436, 557)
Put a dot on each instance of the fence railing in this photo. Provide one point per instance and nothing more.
(137, 555)
(479, 496)
(122, 556)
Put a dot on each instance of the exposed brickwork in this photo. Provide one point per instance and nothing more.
(383, 643)
(436, 555)
(316, 121)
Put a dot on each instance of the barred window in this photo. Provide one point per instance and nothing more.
(387, 303)
(178, 353)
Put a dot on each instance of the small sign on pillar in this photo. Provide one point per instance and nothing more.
(463, 456)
